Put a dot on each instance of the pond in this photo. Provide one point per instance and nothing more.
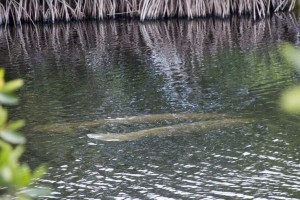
(80, 73)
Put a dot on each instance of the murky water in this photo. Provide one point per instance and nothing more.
(89, 71)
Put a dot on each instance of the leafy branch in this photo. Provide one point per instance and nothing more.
(16, 179)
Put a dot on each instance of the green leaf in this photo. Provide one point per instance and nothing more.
(2, 73)
(13, 85)
(3, 116)
(39, 172)
(2, 81)
(291, 54)
(5, 152)
(12, 137)
(8, 99)
(23, 179)
(17, 152)
(6, 174)
(290, 100)
(5, 146)
(16, 125)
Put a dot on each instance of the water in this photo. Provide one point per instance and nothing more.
(88, 71)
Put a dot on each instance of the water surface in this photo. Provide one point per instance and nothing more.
(87, 71)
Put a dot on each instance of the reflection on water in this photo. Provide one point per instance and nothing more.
(93, 71)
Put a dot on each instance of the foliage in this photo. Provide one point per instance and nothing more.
(290, 99)
(15, 178)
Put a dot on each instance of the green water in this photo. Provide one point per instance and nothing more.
(88, 71)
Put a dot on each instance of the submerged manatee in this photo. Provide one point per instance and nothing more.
(181, 128)
(155, 118)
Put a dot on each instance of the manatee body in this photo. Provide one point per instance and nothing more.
(181, 128)
(182, 124)
(155, 118)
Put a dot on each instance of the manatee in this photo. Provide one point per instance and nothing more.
(181, 128)
(71, 127)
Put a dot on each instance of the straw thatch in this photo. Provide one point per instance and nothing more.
(18, 11)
